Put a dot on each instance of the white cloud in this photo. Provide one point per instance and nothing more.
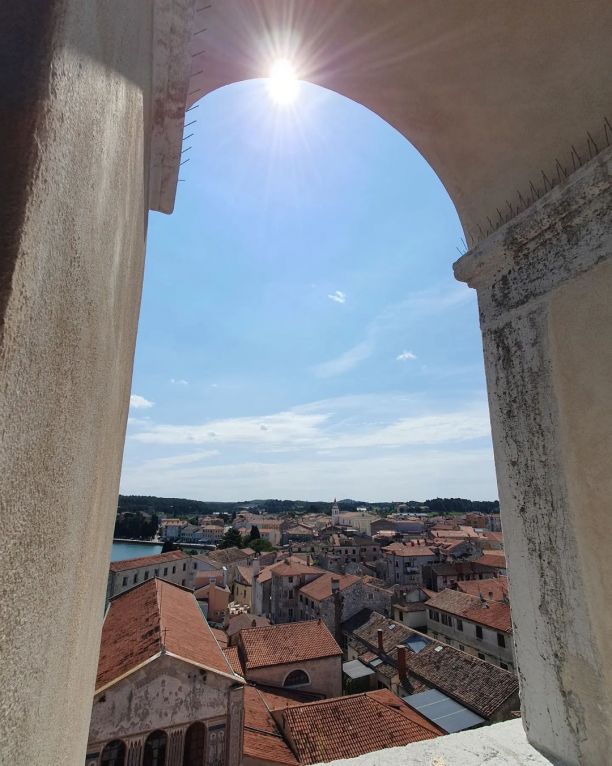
(338, 296)
(414, 475)
(405, 356)
(139, 402)
(313, 428)
(179, 382)
(161, 463)
(345, 361)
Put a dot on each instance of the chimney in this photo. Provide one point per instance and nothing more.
(212, 581)
(401, 662)
(335, 585)
(256, 567)
(381, 647)
(254, 623)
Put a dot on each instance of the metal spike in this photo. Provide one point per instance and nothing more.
(199, 32)
(501, 218)
(185, 150)
(490, 224)
(195, 74)
(189, 136)
(606, 127)
(547, 183)
(205, 8)
(522, 200)
(592, 141)
(195, 106)
(187, 124)
(184, 161)
(577, 156)
(560, 169)
(535, 192)
(195, 55)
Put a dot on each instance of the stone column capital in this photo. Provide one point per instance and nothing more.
(563, 234)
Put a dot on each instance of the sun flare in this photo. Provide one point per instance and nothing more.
(283, 82)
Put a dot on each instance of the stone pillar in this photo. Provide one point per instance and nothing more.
(75, 80)
(135, 750)
(544, 284)
(176, 744)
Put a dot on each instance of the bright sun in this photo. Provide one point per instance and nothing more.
(282, 82)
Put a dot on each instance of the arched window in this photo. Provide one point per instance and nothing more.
(195, 741)
(113, 753)
(155, 749)
(297, 678)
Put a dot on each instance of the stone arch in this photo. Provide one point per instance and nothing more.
(297, 677)
(155, 747)
(195, 745)
(113, 753)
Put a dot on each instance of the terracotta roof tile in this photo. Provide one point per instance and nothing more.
(409, 550)
(220, 637)
(138, 619)
(294, 568)
(321, 588)
(228, 555)
(262, 739)
(240, 621)
(495, 559)
(477, 684)
(493, 614)
(143, 561)
(232, 656)
(492, 589)
(345, 727)
(282, 644)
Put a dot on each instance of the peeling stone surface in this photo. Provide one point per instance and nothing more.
(536, 372)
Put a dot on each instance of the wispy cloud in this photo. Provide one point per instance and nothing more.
(311, 429)
(405, 356)
(139, 402)
(338, 296)
(407, 475)
(161, 463)
(345, 361)
(179, 382)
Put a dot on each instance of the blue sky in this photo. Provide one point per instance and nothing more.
(301, 333)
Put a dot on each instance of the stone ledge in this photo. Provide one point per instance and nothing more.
(503, 744)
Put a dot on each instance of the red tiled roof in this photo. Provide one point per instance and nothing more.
(283, 644)
(294, 568)
(492, 589)
(240, 621)
(477, 684)
(232, 656)
(139, 619)
(321, 588)
(493, 614)
(406, 549)
(494, 559)
(262, 739)
(345, 727)
(144, 561)
(220, 636)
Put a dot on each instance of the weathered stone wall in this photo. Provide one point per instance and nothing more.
(544, 283)
(76, 79)
(166, 692)
(325, 675)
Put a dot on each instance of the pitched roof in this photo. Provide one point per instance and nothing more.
(144, 561)
(459, 568)
(232, 656)
(345, 727)
(262, 738)
(409, 550)
(220, 637)
(491, 589)
(244, 574)
(477, 684)
(229, 555)
(393, 633)
(495, 559)
(139, 620)
(493, 614)
(283, 644)
(321, 588)
(240, 621)
(294, 568)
